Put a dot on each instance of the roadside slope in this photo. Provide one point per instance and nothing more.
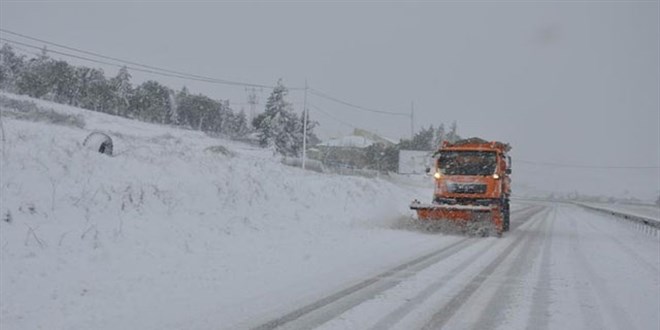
(166, 229)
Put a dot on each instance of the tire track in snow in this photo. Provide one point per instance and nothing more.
(524, 214)
(539, 316)
(329, 307)
(392, 318)
(591, 315)
(599, 291)
(365, 290)
(440, 318)
(494, 315)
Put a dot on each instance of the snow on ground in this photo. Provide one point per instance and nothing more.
(183, 231)
(563, 268)
(167, 230)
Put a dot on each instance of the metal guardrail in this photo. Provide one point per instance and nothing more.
(655, 223)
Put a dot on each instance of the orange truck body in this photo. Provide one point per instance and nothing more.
(472, 183)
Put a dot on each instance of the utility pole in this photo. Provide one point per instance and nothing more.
(412, 120)
(305, 116)
(252, 101)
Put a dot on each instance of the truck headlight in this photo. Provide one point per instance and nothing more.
(496, 176)
(437, 175)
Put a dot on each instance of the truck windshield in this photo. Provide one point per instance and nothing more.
(467, 162)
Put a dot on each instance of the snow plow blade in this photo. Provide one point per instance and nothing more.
(469, 217)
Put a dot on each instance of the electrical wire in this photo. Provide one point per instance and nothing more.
(358, 107)
(101, 62)
(151, 69)
(14, 42)
(327, 114)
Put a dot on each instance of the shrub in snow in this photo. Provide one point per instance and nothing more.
(100, 142)
(27, 110)
(219, 150)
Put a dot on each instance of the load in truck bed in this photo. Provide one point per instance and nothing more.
(476, 220)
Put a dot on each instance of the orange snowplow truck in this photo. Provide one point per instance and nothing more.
(472, 187)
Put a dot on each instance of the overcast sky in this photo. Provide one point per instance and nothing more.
(570, 83)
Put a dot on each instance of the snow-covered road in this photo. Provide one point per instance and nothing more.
(560, 267)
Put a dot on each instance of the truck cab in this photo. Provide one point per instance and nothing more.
(472, 173)
(472, 183)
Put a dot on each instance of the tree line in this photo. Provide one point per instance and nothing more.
(386, 158)
(279, 127)
(56, 80)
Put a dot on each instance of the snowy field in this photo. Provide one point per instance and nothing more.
(172, 234)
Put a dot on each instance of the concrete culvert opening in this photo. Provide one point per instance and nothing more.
(99, 142)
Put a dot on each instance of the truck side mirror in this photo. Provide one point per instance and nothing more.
(428, 170)
(508, 171)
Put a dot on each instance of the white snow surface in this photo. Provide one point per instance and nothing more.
(169, 235)
(165, 231)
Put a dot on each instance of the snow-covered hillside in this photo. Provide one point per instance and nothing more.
(91, 241)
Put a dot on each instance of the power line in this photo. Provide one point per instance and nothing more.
(139, 67)
(130, 62)
(586, 166)
(358, 107)
(213, 81)
(178, 74)
(331, 116)
(105, 63)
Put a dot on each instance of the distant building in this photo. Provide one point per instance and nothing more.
(349, 151)
(359, 139)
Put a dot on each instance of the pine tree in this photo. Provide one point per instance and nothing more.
(62, 81)
(279, 126)
(223, 118)
(93, 92)
(11, 66)
(239, 124)
(151, 102)
(173, 114)
(33, 80)
(439, 136)
(198, 111)
(121, 85)
(182, 104)
(453, 136)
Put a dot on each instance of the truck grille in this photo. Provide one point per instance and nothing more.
(466, 188)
